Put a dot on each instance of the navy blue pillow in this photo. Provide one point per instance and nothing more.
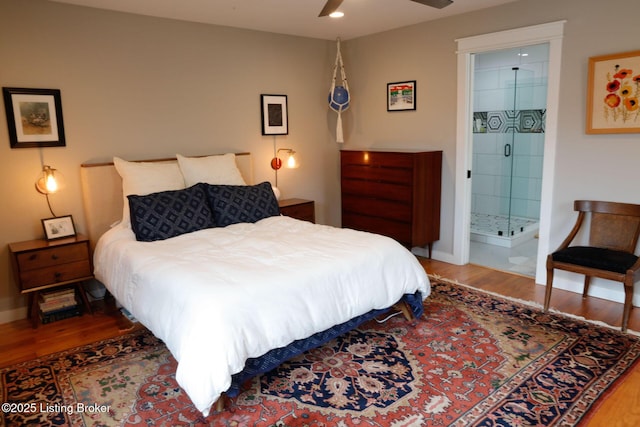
(166, 214)
(232, 204)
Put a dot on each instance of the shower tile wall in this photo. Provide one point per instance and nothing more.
(494, 122)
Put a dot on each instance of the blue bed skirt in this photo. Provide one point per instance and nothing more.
(276, 357)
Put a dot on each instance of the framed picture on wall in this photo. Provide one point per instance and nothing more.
(613, 93)
(401, 96)
(275, 117)
(34, 117)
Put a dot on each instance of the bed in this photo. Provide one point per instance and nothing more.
(234, 297)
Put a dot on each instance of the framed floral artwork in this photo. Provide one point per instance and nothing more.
(614, 93)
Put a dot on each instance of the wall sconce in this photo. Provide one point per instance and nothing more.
(292, 163)
(49, 181)
(276, 163)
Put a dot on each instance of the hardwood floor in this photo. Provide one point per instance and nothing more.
(20, 342)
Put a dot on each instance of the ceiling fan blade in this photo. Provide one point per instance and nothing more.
(330, 7)
(439, 4)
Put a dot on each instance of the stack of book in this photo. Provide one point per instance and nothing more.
(58, 305)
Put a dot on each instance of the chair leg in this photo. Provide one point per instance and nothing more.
(587, 282)
(628, 297)
(547, 291)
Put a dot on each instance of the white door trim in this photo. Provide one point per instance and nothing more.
(551, 33)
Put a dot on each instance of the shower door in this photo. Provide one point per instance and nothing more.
(522, 150)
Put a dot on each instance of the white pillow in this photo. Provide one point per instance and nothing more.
(144, 178)
(216, 170)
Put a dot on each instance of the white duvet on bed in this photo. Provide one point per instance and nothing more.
(219, 296)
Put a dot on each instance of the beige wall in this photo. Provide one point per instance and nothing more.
(138, 87)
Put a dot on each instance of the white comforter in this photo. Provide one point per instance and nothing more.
(219, 296)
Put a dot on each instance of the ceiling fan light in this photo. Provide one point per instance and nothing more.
(336, 14)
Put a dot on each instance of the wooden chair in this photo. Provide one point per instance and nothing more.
(613, 235)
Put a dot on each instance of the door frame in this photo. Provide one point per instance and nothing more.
(551, 33)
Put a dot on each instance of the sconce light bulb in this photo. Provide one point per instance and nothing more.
(51, 184)
(291, 162)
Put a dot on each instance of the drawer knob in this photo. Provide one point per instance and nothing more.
(54, 256)
(57, 276)
(32, 257)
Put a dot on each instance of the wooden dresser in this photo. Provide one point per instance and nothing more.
(394, 193)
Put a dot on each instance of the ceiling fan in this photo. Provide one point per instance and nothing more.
(332, 5)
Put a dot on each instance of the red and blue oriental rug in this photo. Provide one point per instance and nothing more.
(472, 360)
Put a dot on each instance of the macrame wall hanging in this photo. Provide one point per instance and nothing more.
(339, 97)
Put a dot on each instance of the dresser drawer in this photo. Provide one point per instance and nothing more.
(55, 274)
(400, 231)
(53, 256)
(377, 208)
(377, 174)
(378, 190)
(377, 159)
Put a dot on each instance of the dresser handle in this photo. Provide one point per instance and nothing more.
(32, 257)
(57, 276)
(54, 257)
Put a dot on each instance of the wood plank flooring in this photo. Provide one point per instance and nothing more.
(20, 342)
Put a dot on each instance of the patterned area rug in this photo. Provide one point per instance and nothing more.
(472, 360)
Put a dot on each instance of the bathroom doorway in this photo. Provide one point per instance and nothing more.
(469, 48)
(509, 111)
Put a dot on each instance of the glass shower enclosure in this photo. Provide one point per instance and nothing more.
(508, 144)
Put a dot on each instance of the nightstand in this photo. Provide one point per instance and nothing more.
(40, 265)
(298, 209)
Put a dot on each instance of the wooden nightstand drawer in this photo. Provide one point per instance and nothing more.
(299, 209)
(55, 274)
(54, 256)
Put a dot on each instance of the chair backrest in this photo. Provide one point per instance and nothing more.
(613, 225)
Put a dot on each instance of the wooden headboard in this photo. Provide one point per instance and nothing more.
(102, 192)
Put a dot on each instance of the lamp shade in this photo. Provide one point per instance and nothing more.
(49, 181)
(292, 161)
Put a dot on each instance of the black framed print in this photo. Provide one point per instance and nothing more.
(58, 227)
(34, 117)
(275, 117)
(401, 96)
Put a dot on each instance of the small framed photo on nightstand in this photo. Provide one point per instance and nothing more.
(58, 227)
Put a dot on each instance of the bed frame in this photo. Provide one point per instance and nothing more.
(103, 202)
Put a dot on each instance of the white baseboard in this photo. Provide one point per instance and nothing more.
(7, 316)
(437, 255)
(600, 288)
